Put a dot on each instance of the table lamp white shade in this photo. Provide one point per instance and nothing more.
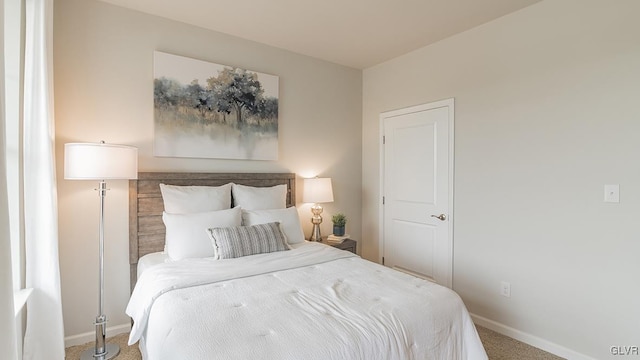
(317, 190)
(100, 161)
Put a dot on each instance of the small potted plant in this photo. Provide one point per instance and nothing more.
(339, 222)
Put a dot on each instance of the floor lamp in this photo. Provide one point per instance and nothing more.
(317, 190)
(92, 161)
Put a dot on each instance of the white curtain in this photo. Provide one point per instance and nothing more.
(44, 334)
(7, 317)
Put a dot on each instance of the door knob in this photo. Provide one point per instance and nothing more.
(441, 217)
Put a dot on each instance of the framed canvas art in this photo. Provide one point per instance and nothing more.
(208, 110)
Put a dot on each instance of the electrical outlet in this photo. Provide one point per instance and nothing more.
(505, 289)
(612, 193)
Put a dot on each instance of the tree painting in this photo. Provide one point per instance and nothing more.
(207, 110)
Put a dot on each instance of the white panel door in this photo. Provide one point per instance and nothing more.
(417, 190)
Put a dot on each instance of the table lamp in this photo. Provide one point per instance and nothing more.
(316, 191)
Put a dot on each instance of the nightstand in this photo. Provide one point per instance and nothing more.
(347, 244)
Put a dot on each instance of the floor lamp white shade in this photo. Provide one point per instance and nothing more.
(317, 190)
(100, 161)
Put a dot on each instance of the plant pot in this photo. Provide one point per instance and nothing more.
(338, 230)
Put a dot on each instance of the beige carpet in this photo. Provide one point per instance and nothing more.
(126, 352)
(498, 347)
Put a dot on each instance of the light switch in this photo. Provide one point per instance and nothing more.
(612, 193)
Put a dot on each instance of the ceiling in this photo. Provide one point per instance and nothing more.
(354, 33)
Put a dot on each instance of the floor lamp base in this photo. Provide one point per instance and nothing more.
(112, 350)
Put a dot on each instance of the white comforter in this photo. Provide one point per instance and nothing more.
(312, 302)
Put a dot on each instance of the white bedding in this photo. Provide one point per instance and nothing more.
(150, 260)
(311, 302)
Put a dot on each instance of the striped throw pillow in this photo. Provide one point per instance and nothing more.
(238, 241)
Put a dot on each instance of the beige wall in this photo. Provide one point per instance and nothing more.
(546, 105)
(103, 90)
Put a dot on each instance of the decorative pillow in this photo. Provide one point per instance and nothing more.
(259, 198)
(195, 199)
(186, 235)
(238, 241)
(288, 219)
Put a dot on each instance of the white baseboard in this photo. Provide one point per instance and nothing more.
(529, 339)
(91, 336)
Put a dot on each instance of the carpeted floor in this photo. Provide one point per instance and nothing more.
(126, 352)
(498, 347)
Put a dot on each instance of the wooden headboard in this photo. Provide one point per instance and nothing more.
(146, 229)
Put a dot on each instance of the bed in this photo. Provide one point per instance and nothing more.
(304, 301)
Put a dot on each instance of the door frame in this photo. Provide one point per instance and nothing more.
(450, 103)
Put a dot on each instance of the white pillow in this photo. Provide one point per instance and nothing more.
(187, 236)
(195, 199)
(260, 198)
(288, 219)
